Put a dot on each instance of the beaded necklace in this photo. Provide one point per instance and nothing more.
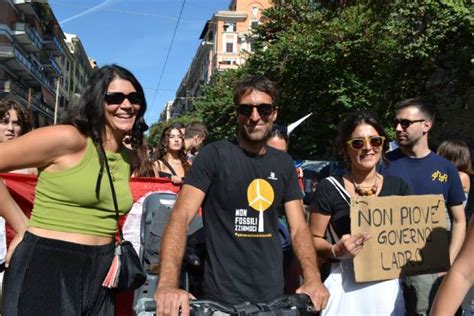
(359, 190)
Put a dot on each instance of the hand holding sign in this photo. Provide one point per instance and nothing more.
(409, 232)
(350, 245)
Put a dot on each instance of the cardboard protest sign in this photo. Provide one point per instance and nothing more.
(408, 236)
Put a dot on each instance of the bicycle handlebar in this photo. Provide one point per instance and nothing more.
(300, 302)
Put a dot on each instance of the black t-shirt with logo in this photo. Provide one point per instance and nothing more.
(240, 213)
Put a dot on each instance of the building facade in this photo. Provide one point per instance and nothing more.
(81, 68)
(226, 43)
(36, 65)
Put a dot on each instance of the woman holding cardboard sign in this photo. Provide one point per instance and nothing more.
(362, 143)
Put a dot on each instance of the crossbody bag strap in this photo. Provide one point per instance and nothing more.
(167, 164)
(112, 189)
(340, 189)
(345, 195)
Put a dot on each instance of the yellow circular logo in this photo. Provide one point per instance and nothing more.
(260, 195)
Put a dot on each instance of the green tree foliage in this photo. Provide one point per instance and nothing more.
(329, 59)
(216, 106)
(154, 133)
(332, 57)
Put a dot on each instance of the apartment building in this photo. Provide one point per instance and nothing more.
(81, 67)
(225, 44)
(65, 62)
(37, 66)
(30, 42)
(165, 115)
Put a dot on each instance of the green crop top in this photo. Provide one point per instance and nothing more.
(66, 200)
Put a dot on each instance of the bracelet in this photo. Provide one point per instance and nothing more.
(333, 251)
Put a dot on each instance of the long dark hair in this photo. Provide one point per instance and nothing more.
(88, 116)
(163, 145)
(350, 123)
(143, 165)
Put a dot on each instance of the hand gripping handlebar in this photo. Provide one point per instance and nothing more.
(287, 305)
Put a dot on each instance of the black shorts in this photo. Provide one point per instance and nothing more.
(55, 277)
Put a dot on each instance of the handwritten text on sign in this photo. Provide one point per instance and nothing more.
(408, 236)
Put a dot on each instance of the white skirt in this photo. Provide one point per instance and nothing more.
(364, 299)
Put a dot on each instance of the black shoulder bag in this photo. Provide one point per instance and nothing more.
(126, 272)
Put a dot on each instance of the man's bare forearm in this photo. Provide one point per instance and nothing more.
(304, 250)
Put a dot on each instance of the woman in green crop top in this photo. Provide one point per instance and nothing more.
(65, 253)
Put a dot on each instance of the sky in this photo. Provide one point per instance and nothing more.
(137, 34)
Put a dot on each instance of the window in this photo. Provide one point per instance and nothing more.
(254, 11)
(229, 43)
(254, 24)
(229, 27)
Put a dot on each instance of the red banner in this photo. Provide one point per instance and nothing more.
(22, 189)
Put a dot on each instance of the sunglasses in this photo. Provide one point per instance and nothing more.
(119, 97)
(357, 143)
(263, 109)
(404, 123)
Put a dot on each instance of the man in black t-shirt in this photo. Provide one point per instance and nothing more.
(240, 184)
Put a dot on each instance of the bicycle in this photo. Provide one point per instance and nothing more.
(287, 305)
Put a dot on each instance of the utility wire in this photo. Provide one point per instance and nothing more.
(129, 12)
(168, 53)
(162, 89)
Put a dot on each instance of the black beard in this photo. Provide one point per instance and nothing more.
(245, 136)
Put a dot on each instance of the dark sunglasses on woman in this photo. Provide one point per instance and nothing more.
(263, 109)
(119, 97)
(357, 143)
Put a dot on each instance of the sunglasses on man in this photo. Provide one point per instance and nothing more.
(357, 143)
(119, 97)
(263, 109)
(404, 123)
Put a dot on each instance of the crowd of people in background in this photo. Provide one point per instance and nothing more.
(73, 226)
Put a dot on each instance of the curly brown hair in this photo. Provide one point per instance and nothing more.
(24, 117)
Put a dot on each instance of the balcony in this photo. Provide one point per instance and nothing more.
(9, 86)
(21, 91)
(6, 52)
(28, 38)
(25, 5)
(19, 63)
(5, 87)
(226, 62)
(51, 67)
(53, 45)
